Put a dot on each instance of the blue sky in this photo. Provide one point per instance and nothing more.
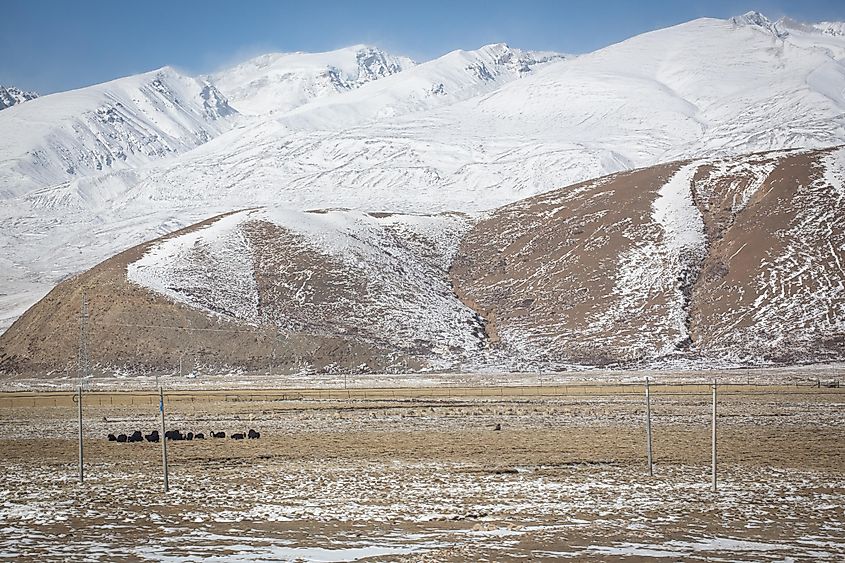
(57, 45)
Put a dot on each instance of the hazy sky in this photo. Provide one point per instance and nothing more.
(49, 46)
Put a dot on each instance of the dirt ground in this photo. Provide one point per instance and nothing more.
(422, 475)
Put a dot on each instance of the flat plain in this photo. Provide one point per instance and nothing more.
(421, 474)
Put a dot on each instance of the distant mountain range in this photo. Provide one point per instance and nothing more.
(9, 96)
(91, 172)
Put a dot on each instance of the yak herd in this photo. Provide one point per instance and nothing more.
(154, 436)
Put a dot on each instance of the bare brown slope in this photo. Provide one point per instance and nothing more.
(542, 270)
(549, 273)
(139, 331)
(737, 259)
(772, 283)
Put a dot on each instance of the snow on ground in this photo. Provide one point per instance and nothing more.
(425, 477)
(324, 512)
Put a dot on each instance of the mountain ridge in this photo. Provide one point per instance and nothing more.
(719, 262)
(703, 88)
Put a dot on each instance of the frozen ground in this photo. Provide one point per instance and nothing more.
(683, 372)
(414, 479)
(275, 510)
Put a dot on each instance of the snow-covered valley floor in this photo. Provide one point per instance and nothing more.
(429, 480)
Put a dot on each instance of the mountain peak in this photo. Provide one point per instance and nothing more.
(785, 25)
(758, 20)
(753, 18)
(10, 96)
(283, 81)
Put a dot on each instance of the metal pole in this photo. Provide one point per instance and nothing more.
(81, 453)
(714, 436)
(163, 438)
(648, 427)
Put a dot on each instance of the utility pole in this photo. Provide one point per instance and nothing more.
(713, 469)
(81, 453)
(163, 439)
(82, 368)
(273, 336)
(648, 427)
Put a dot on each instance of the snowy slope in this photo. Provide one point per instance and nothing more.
(9, 96)
(701, 88)
(494, 133)
(380, 277)
(279, 82)
(117, 125)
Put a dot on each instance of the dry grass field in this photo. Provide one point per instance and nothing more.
(420, 474)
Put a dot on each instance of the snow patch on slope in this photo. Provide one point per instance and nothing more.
(667, 266)
(209, 268)
(675, 211)
(834, 172)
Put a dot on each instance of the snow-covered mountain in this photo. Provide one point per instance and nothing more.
(785, 26)
(280, 82)
(468, 131)
(121, 124)
(701, 88)
(456, 76)
(9, 96)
